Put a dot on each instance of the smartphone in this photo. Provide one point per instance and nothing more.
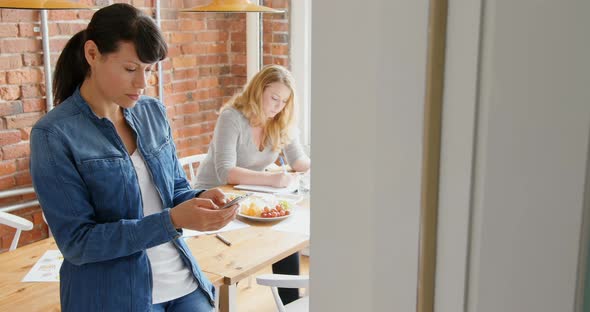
(236, 200)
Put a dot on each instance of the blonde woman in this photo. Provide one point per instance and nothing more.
(251, 131)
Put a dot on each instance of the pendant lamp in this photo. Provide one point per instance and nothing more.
(253, 20)
(232, 6)
(42, 5)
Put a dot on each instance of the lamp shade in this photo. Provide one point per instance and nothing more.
(232, 6)
(42, 5)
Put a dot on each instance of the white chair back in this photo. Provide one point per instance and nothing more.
(20, 224)
(191, 161)
(286, 281)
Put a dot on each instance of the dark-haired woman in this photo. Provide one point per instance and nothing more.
(105, 171)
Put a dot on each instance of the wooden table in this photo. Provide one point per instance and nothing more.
(14, 295)
(252, 249)
(39, 296)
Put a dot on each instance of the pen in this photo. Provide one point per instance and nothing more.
(223, 239)
(283, 164)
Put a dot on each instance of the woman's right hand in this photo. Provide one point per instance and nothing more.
(202, 215)
(281, 179)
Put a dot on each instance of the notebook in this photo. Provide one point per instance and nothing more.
(268, 189)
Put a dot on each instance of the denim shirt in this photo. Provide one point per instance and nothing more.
(89, 193)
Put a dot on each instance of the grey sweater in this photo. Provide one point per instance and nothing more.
(233, 146)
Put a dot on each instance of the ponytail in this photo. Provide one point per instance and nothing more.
(108, 27)
(71, 68)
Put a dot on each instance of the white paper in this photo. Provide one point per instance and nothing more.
(297, 223)
(267, 189)
(46, 269)
(233, 225)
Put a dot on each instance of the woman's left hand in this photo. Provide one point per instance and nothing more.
(215, 195)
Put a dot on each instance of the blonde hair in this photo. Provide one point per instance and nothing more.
(249, 102)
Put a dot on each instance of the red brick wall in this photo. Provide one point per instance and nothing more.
(275, 39)
(205, 67)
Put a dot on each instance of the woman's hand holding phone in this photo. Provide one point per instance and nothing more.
(216, 195)
(203, 214)
(236, 201)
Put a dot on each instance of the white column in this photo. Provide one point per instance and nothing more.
(253, 42)
(301, 64)
(46, 61)
(160, 69)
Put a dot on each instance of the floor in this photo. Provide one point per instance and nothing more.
(259, 298)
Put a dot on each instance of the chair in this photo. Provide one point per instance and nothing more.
(20, 224)
(286, 281)
(190, 161)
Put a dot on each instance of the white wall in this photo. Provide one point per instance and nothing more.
(459, 111)
(530, 147)
(368, 74)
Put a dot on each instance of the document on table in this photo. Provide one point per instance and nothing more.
(46, 269)
(297, 223)
(233, 225)
(268, 189)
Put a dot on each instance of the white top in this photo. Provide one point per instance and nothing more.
(171, 278)
(233, 146)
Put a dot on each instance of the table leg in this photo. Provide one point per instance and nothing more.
(227, 298)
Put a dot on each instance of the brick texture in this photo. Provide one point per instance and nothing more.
(206, 65)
